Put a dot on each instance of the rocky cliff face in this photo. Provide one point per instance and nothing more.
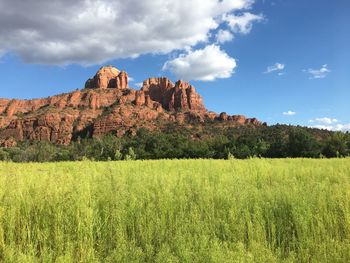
(173, 97)
(108, 78)
(107, 105)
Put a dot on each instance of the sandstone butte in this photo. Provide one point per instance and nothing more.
(108, 105)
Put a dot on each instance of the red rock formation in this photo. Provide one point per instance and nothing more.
(239, 119)
(159, 90)
(102, 78)
(107, 105)
(8, 143)
(108, 77)
(187, 98)
(121, 81)
(3, 105)
(74, 99)
(140, 98)
(180, 97)
(254, 121)
(223, 116)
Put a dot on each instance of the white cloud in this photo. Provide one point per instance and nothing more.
(330, 124)
(289, 113)
(88, 32)
(242, 24)
(205, 64)
(139, 84)
(337, 127)
(324, 120)
(131, 79)
(275, 67)
(318, 73)
(342, 127)
(224, 36)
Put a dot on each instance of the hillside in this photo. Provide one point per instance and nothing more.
(108, 105)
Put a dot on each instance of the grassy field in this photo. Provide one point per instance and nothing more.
(176, 211)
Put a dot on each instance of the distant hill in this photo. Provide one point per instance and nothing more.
(107, 105)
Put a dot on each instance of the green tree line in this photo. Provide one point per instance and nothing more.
(279, 141)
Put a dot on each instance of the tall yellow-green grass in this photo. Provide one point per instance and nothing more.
(176, 211)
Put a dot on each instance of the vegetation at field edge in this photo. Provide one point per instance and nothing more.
(278, 141)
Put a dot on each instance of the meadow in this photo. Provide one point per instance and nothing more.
(256, 210)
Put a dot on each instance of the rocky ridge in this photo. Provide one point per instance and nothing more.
(108, 105)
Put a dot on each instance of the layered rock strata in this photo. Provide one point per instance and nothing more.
(107, 105)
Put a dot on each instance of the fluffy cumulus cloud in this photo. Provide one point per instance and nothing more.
(289, 113)
(277, 67)
(330, 124)
(91, 32)
(318, 73)
(205, 64)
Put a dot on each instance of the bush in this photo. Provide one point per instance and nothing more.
(178, 142)
(4, 155)
(130, 155)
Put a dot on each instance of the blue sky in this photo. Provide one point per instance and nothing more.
(288, 61)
